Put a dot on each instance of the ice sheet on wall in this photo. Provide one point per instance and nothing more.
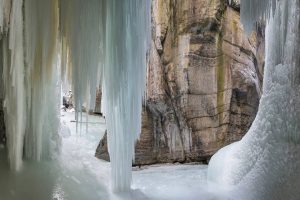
(265, 163)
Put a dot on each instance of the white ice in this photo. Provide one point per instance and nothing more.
(106, 41)
(265, 164)
(78, 175)
(88, 43)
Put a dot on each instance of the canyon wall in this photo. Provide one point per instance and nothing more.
(2, 124)
(204, 81)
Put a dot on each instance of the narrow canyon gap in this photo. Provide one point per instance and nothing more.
(88, 43)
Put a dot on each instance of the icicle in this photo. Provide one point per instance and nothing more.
(82, 33)
(98, 38)
(30, 79)
(108, 39)
(13, 79)
(253, 10)
(124, 82)
(41, 41)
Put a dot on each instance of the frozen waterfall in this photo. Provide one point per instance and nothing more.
(87, 43)
(29, 59)
(265, 164)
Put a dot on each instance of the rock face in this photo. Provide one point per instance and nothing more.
(97, 109)
(204, 81)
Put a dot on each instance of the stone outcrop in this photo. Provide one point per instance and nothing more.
(97, 109)
(204, 81)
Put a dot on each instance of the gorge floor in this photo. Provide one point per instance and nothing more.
(77, 175)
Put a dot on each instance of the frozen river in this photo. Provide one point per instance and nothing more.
(78, 175)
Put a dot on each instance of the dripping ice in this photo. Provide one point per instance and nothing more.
(29, 75)
(102, 42)
(116, 58)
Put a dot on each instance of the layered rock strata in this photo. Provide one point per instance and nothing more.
(204, 81)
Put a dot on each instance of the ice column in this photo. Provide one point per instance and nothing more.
(107, 41)
(30, 75)
(127, 31)
(42, 73)
(265, 164)
(14, 86)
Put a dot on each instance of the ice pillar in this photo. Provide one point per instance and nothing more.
(107, 41)
(30, 71)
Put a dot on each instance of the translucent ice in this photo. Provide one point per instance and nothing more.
(30, 78)
(13, 81)
(107, 41)
(86, 43)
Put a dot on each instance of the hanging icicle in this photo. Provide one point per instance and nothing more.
(82, 30)
(30, 78)
(124, 82)
(41, 51)
(14, 86)
(96, 42)
(108, 39)
(254, 10)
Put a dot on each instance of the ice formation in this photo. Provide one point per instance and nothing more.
(29, 62)
(96, 42)
(253, 11)
(128, 28)
(265, 164)
(13, 82)
(107, 41)
(41, 77)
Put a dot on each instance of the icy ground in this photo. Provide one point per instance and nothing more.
(78, 175)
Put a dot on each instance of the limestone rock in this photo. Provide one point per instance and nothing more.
(97, 109)
(204, 81)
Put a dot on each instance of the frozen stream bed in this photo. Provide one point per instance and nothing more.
(78, 175)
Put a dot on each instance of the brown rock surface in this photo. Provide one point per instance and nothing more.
(204, 81)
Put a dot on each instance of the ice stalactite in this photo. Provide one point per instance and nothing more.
(82, 28)
(41, 60)
(107, 41)
(255, 10)
(96, 42)
(30, 79)
(265, 164)
(14, 86)
(124, 74)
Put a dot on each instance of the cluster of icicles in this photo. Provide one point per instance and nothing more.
(105, 42)
(89, 43)
(265, 164)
